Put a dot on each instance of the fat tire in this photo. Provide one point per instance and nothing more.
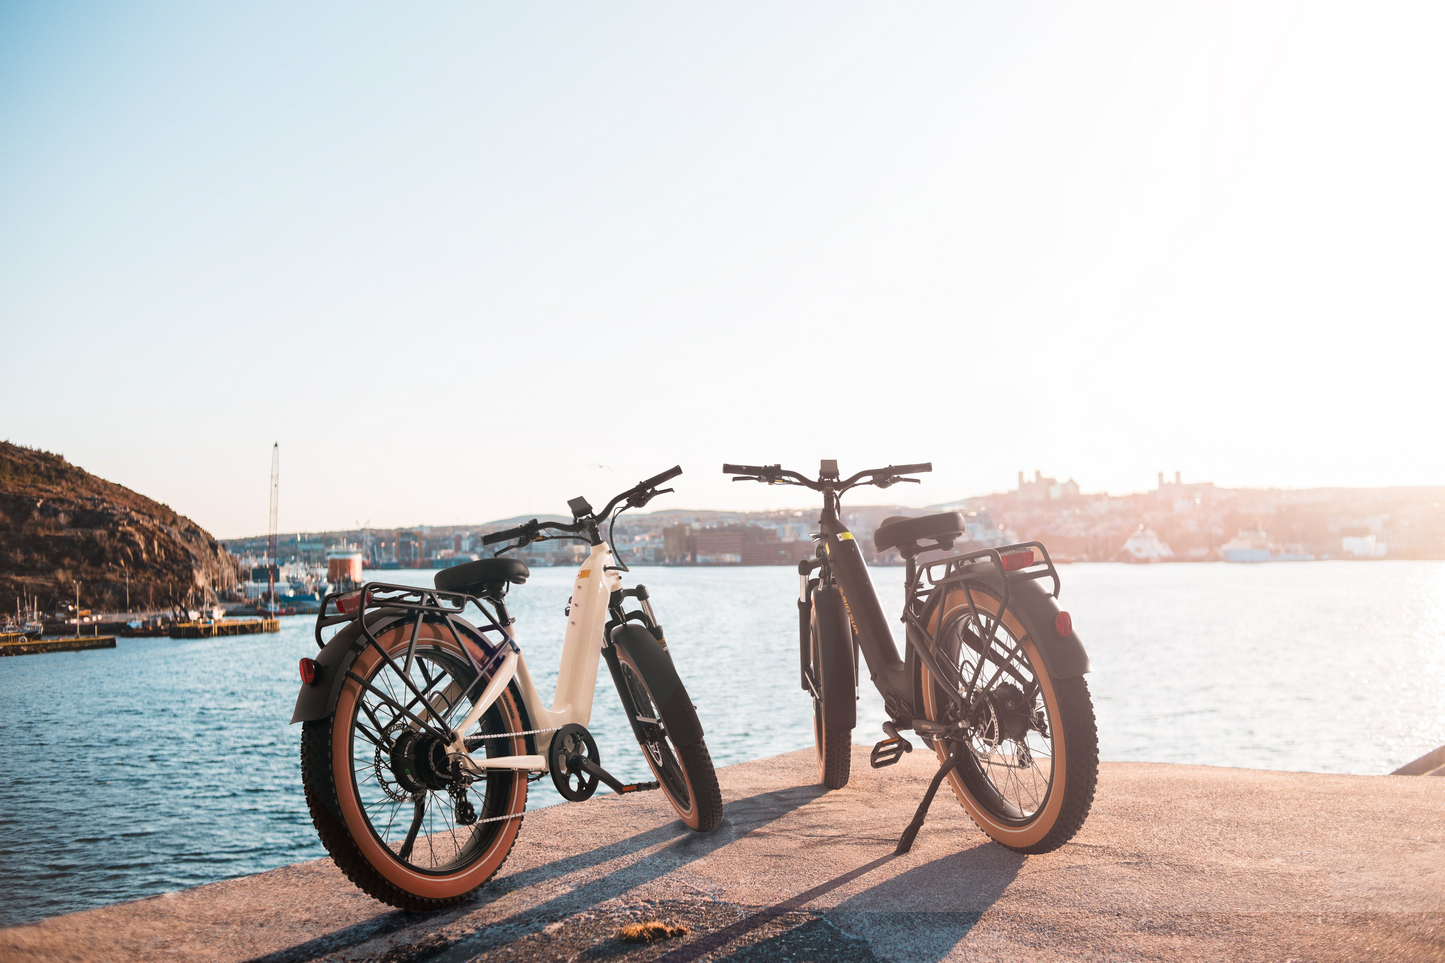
(697, 763)
(1081, 736)
(325, 816)
(834, 743)
(705, 813)
(835, 751)
(1076, 742)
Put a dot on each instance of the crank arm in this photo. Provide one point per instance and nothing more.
(575, 762)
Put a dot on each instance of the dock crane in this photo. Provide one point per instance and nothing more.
(272, 562)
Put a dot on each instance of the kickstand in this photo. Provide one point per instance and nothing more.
(905, 842)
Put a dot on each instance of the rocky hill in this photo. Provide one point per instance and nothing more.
(60, 524)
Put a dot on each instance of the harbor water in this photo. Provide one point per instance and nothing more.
(164, 763)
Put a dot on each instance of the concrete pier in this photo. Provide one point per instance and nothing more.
(223, 627)
(1174, 863)
(20, 645)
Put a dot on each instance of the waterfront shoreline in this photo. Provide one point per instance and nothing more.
(1174, 862)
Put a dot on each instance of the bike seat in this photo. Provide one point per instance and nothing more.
(473, 578)
(898, 531)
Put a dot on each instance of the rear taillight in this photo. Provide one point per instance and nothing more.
(1014, 561)
(310, 671)
(1064, 625)
(348, 603)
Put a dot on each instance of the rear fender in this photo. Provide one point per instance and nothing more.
(1064, 656)
(652, 660)
(318, 701)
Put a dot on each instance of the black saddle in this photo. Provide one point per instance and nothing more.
(902, 533)
(485, 576)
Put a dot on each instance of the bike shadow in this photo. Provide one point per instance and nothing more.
(740, 817)
(919, 916)
(883, 922)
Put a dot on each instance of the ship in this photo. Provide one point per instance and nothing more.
(1145, 546)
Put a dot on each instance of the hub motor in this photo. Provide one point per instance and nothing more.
(1014, 712)
(419, 761)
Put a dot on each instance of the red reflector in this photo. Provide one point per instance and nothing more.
(310, 671)
(348, 603)
(1064, 625)
(1017, 560)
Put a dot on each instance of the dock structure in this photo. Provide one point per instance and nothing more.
(223, 627)
(1174, 863)
(20, 645)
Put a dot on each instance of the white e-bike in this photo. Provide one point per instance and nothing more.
(422, 729)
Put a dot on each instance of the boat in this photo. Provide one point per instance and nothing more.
(1145, 546)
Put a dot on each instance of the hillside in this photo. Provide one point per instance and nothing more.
(60, 524)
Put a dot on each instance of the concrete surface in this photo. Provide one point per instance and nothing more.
(1175, 862)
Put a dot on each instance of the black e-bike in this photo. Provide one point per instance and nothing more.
(992, 676)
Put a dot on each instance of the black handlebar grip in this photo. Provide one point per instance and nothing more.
(742, 470)
(656, 480)
(496, 537)
(912, 469)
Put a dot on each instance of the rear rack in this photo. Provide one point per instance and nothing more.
(974, 564)
(444, 606)
(985, 563)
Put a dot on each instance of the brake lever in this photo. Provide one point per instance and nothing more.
(641, 500)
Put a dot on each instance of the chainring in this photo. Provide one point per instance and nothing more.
(573, 784)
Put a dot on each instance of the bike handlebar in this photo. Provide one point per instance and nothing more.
(509, 533)
(656, 480)
(774, 474)
(637, 496)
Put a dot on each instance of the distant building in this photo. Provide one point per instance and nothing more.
(711, 547)
(1043, 489)
(343, 569)
(776, 553)
(677, 546)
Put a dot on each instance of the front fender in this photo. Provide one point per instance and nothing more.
(678, 714)
(318, 701)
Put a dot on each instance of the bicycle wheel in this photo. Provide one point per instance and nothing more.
(1030, 761)
(685, 773)
(836, 695)
(402, 823)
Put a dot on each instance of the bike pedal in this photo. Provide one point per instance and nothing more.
(639, 787)
(889, 751)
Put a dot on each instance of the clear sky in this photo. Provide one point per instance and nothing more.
(468, 260)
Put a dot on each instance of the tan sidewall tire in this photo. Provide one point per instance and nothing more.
(692, 816)
(1040, 825)
(383, 860)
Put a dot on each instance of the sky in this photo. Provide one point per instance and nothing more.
(466, 261)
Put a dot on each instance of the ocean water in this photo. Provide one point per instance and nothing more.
(163, 764)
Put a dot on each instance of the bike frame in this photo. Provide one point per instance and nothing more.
(840, 560)
(582, 646)
(595, 590)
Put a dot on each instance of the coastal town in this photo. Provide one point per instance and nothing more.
(88, 557)
(1176, 521)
